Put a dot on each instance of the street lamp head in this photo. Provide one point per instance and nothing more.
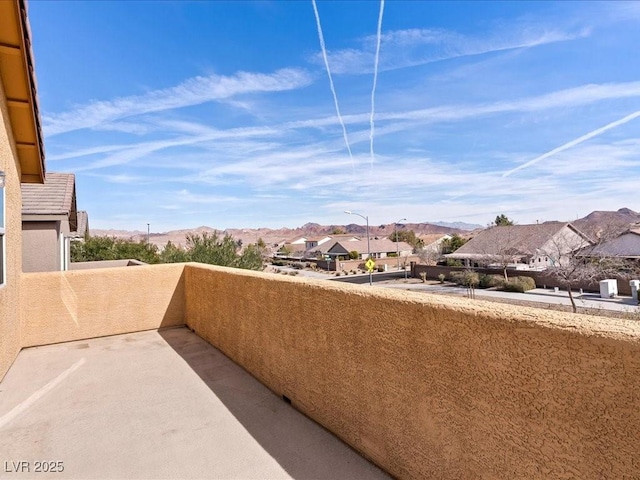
(402, 220)
(348, 212)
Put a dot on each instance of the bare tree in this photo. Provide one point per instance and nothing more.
(504, 249)
(576, 259)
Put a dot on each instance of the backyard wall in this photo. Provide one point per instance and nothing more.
(542, 279)
(65, 306)
(433, 387)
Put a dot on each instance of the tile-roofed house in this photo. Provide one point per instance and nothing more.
(379, 248)
(432, 241)
(523, 246)
(49, 220)
(626, 245)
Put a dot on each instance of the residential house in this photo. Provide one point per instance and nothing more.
(626, 246)
(432, 242)
(49, 222)
(322, 248)
(521, 247)
(381, 248)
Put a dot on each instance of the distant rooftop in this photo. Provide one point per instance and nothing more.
(56, 196)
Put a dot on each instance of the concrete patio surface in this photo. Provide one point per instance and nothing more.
(157, 405)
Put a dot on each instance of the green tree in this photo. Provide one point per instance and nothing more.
(260, 243)
(251, 258)
(503, 221)
(143, 251)
(353, 254)
(337, 231)
(212, 249)
(94, 249)
(173, 254)
(450, 245)
(407, 236)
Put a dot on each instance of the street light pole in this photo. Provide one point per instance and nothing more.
(395, 231)
(148, 232)
(349, 212)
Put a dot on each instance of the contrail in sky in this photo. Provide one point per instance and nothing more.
(375, 82)
(333, 90)
(575, 142)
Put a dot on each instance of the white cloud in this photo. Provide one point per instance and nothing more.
(192, 91)
(414, 47)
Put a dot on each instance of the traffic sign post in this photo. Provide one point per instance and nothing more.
(370, 264)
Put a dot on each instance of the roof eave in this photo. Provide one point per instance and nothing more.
(19, 82)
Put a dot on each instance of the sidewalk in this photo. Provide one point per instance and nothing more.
(540, 295)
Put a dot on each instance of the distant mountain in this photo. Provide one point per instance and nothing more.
(459, 225)
(277, 236)
(600, 221)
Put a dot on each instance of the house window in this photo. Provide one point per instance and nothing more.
(2, 239)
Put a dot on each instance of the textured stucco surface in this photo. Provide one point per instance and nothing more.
(10, 292)
(74, 305)
(431, 387)
(41, 246)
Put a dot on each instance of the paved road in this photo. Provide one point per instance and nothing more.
(540, 295)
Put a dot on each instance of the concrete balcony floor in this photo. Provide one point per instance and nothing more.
(157, 405)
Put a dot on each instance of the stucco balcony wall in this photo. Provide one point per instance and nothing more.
(431, 387)
(75, 305)
(425, 386)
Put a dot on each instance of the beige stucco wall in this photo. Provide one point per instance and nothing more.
(10, 292)
(433, 387)
(41, 246)
(73, 305)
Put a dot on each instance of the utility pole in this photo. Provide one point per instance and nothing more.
(395, 231)
(148, 234)
(366, 218)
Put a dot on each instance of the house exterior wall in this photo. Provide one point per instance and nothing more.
(10, 291)
(41, 246)
(432, 387)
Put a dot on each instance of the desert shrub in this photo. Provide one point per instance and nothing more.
(452, 262)
(489, 281)
(380, 268)
(293, 273)
(423, 276)
(528, 283)
(353, 255)
(457, 277)
(470, 278)
(337, 274)
(519, 284)
(441, 277)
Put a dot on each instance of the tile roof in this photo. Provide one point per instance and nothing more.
(626, 245)
(430, 238)
(82, 228)
(519, 239)
(54, 197)
(377, 246)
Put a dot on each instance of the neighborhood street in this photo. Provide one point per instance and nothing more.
(540, 295)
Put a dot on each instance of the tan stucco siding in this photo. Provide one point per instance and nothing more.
(65, 306)
(10, 291)
(432, 387)
(41, 246)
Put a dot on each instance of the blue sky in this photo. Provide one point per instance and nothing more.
(181, 114)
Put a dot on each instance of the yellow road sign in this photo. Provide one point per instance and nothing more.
(370, 264)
